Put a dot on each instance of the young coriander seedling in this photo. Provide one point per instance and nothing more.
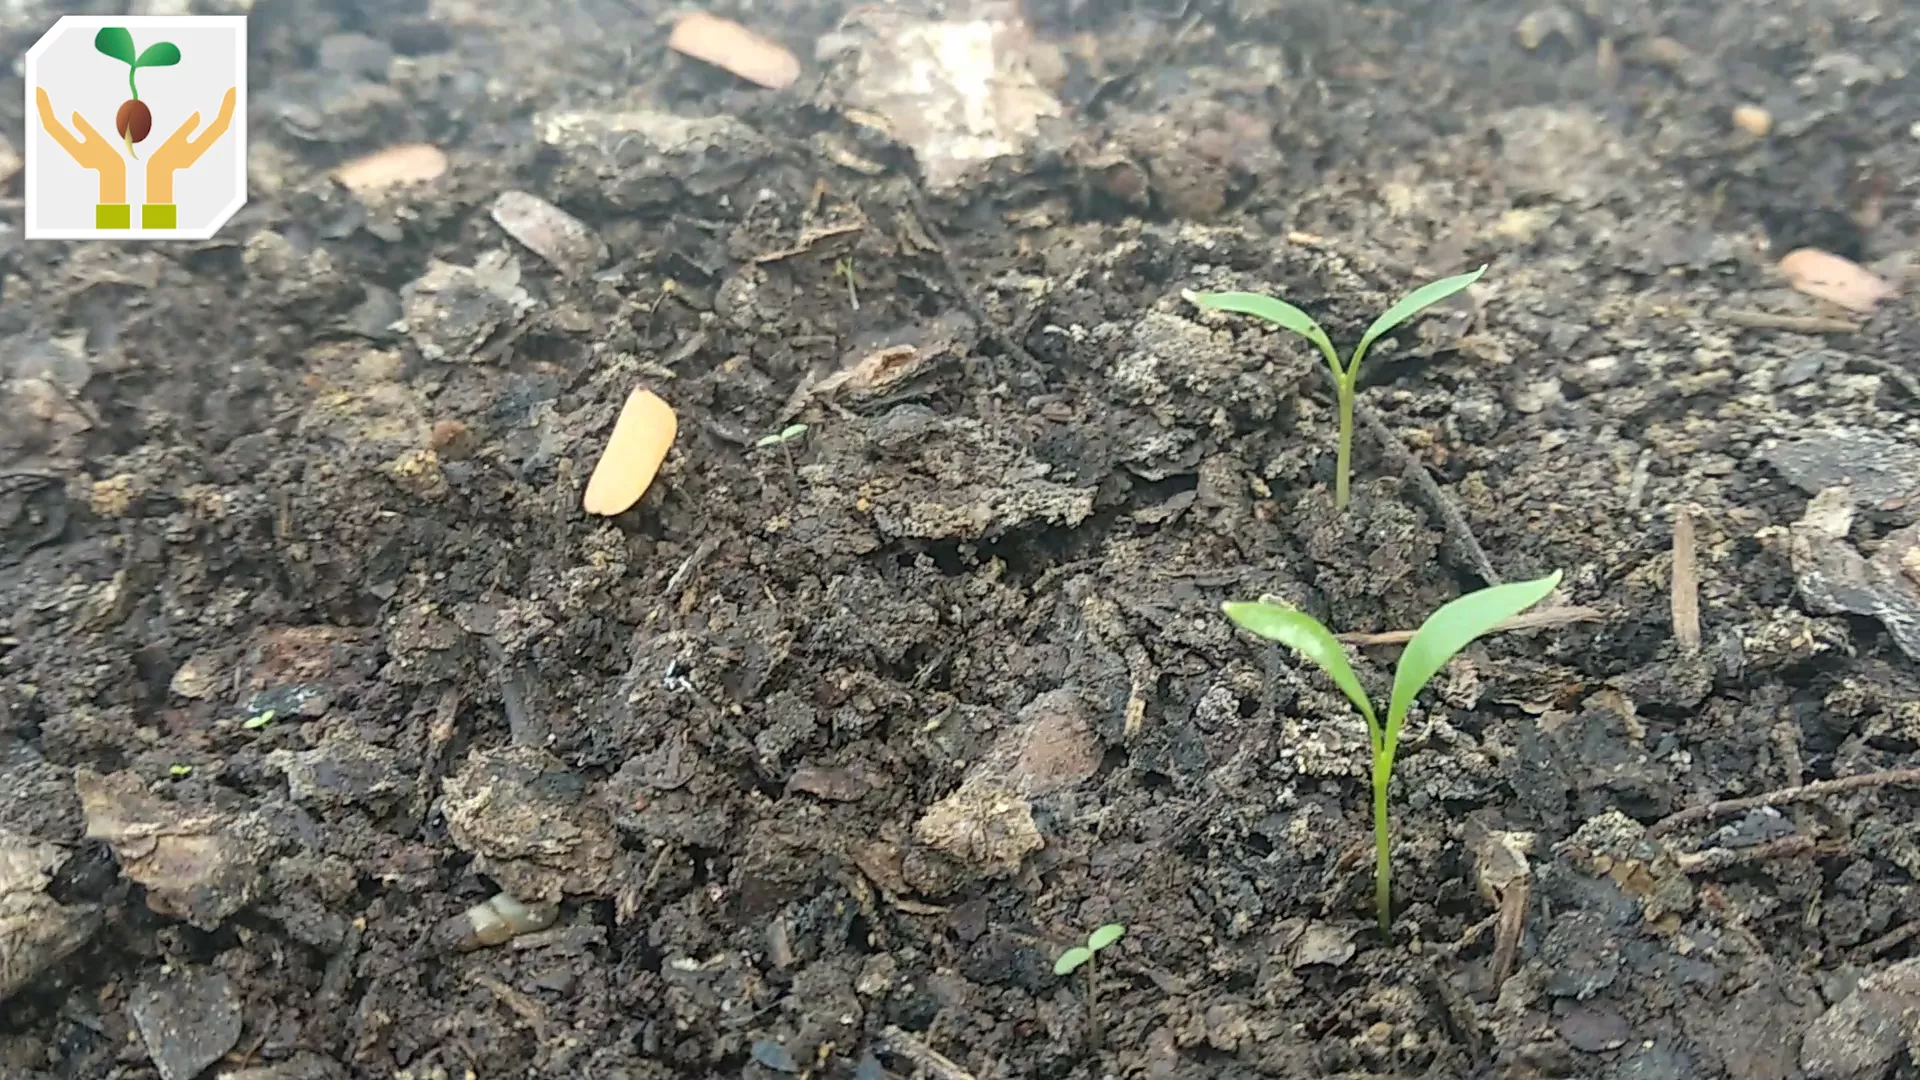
(1082, 956)
(1448, 630)
(1346, 376)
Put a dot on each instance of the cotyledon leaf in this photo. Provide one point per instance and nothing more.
(115, 41)
(1457, 624)
(1413, 304)
(158, 54)
(1272, 309)
(1303, 634)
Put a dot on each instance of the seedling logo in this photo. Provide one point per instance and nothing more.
(178, 168)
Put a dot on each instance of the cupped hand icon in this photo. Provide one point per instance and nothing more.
(88, 149)
(183, 148)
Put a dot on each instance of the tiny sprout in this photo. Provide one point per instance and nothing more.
(1448, 630)
(255, 723)
(179, 772)
(1071, 960)
(1346, 376)
(1082, 956)
(783, 436)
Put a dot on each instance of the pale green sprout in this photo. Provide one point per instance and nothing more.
(782, 437)
(1082, 956)
(1346, 375)
(259, 720)
(1071, 960)
(179, 772)
(1448, 630)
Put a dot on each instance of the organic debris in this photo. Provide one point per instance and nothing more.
(408, 163)
(641, 437)
(731, 47)
(1826, 276)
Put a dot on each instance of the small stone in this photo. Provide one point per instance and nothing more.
(1325, 943)
(395, 166)
(187, 1019)
(1858, 1038)
(550, 232)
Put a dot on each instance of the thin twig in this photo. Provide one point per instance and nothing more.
(1804, 793)
(1397, 454)
(895, 1041)
(1530, 620)
(1715, 859)
(1795, 324)
(1685, 586)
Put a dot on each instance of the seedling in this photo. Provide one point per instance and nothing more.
(1082, 956)
(782, 437)
(1346, 376)
(258, 720)
(1452, 628)
(179, 772)
(134, 121)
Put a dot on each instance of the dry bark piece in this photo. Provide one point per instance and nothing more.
(639, 443)
(1826, 276)
(731, 47)
(408, 163)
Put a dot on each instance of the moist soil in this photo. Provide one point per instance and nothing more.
(815, 760)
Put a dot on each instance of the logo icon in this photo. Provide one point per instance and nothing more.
(175, 90)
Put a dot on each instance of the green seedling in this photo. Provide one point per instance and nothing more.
(134, 121)
(782, 437)
(258, 720)
(1346, 376)
(1452, 628)
(1081, 956)
(179, 772)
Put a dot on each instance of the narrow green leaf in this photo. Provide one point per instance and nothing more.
(1413, 304)
(1272, 309)
(1105, 936)
(1452, 628)
(116, 42)
(1071, 960)
(1303, 634)
(159, 54)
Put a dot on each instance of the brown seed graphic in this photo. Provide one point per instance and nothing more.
(134, 121)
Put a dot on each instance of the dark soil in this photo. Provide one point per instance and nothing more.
(825, 751)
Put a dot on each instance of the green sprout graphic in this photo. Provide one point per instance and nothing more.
(134, 121)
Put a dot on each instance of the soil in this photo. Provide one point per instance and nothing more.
(814, 761)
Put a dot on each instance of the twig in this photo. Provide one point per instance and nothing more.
(1715, 859)
(1397, 454)
(446, 718)
(1685, 585)
(1890, 940)
(895, 1041)
(1804, 793)
(1796, 324)
(1530, 620)
(522, 728)
(970, 302)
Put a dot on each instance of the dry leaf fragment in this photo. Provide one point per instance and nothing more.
(731, 47)
(634, 453)
(409, 163)
(1826, 276)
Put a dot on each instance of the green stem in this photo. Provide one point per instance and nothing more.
(131, 88)
(1343, 456)
(1093, 1007)
(1382, 849)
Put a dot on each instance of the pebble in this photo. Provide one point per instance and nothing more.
(550, 232)
(187, 1019)
(1859, 1038)
(1753, 120)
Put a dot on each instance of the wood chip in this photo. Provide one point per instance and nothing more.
(410, 163)
(1686, 583)
(731, 47)
(639, 443)
(1826, 276)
